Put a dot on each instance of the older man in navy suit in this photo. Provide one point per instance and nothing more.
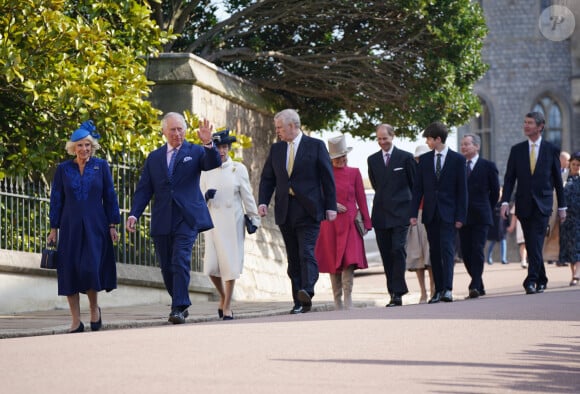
(298, 168)
(441, 182)
(483, 194)
(171, 175)
(535, 166)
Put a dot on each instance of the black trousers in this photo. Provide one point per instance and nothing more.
(391, 243)
(300, 232)
(534, 228)
(472, 238)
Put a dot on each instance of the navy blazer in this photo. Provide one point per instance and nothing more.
(447, 195)
(393, 187)
(182, 191)
(312, 179)
(539, 187)
(482, 192)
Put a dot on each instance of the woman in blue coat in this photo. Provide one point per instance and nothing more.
(83, 213)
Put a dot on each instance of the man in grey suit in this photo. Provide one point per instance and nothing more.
(391, 172)
(298, 168)
(483, 194)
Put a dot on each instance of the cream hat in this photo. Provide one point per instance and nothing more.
(421, 149)
(337, 147)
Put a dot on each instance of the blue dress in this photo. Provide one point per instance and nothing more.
(569, 230)
(82, 207)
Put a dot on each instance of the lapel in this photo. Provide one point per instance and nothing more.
(299, 154)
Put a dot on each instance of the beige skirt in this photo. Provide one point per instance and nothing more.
(417, 246)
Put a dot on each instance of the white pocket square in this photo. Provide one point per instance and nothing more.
(398, 169)
(186, 158)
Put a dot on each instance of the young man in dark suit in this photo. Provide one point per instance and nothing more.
(171, 176)
(391, 172)
(298, 168)
(483, 194)
(535, 166)
(441, 182)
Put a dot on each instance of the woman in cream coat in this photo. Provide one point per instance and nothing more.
(228, 194)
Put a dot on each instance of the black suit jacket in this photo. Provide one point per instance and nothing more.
(483, 192)
(447, 195)
(393, 187)
(312, 179)
(538, 187)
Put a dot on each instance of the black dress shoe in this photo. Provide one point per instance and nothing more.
(305, 299)
(540, 288)
(530, 289)
(473, 293)
(80, 328)
(296, 310)
(436, 298)
(96, 326)
(176, 317)
(231, 317)
(220, 313)
(395, 301)
(446, 296)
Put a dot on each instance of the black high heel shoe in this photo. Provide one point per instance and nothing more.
(220, 313)
(231, 317)
(80, 328)
(96, 326)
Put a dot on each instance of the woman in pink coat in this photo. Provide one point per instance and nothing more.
(340, 248)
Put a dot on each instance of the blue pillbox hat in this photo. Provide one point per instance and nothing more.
(87, 128)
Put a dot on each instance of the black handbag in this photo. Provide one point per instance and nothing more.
(48, 259)
(250, 227)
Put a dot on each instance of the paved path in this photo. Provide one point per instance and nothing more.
(503, 342)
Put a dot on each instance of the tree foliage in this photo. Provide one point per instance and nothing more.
(406, 62)
(63, 62)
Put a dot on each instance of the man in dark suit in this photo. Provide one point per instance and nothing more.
(483, 194)
(535, 166)
(391, 172)
(171, 175)
(298, 168)
(441, 182)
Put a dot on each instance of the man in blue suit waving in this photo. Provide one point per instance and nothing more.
(171, 175)
(441, 183)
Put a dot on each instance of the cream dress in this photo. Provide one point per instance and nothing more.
(224, 244)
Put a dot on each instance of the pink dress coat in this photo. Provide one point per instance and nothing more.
(339, 244)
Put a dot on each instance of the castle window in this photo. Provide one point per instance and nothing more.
(553, 114)
(483, 130)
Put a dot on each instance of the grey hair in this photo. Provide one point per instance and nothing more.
(288, 116)
(538, 118)
(172, 115)
(474, 138)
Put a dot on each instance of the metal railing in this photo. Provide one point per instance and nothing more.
(24, 220)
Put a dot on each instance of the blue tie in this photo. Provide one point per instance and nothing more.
(171, 163)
